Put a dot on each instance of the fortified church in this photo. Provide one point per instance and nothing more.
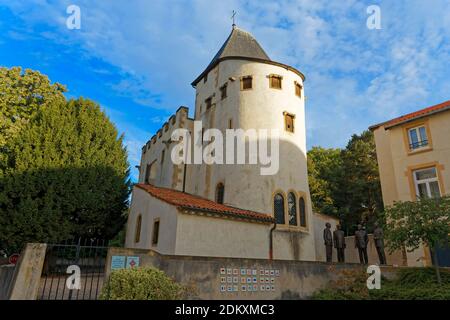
(231, 210)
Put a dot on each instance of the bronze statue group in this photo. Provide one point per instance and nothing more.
(337, 239)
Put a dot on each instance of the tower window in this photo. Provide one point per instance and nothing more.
(220, 192)
(230, 123)
(298, 89)
(223, 91)
(275, 81)
(137, 234)
(278, 208)
(208, 103)
(155, 234)
(246, 83)
(302, 206)
(292, 209)
(289, 122)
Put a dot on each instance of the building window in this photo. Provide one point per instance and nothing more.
(275, 81)
(208, 103)
(155, 234)
(298, 89)
(230, 123)
(220, 192)
(426, 183)
(302, 206)
(417, 137)
(137, 234)
(292, 209)
(223, 91)
(278, 208)
(246, 83)
(289, 122)
(147, 173)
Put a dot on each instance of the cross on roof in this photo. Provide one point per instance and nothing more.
(232, 17)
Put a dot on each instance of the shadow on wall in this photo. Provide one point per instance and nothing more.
(51, 205)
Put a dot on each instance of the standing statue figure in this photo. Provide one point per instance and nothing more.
(339, 243)
(378, 237)
(361, 240)
(328, 240)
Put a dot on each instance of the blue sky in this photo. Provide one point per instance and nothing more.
(138, 58)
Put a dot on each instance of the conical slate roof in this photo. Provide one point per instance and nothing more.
(239, 43)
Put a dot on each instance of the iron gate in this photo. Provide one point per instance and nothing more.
(56, 279)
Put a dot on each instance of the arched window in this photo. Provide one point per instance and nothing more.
(137, 235)
(292, 209)
(220, 191)
(278, 208)
(302, 206)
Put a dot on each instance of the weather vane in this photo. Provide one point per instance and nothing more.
(232, 17)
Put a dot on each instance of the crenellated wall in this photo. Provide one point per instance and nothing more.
(164, 172)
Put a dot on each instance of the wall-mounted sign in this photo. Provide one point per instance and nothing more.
(132, 262)
(117, 262)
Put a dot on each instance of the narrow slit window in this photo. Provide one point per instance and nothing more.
(155, 235)
(223, 92)
(302, 206)
(278, 208)
(137, 235)
(298, 89)
(292, 209)
(289, 122)
(208, 103)
(220, 192)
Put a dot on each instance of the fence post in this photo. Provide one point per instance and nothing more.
(27, 277)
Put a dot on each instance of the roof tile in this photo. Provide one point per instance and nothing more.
(196, 203)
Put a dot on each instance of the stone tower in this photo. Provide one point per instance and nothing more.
(242, 88)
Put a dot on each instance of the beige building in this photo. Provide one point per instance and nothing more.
(230, 210)
(413, 154)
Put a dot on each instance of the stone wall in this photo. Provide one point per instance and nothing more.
(286, 279)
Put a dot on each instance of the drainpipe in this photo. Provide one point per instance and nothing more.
(271, 241)
(184, 177)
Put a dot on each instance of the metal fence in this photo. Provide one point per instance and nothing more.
(58, 275)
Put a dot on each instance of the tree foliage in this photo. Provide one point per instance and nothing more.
(411, 223)
(325, 173)
(66, 174)
(22, 93)
(345, 183)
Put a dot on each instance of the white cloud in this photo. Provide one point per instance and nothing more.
(355, 77)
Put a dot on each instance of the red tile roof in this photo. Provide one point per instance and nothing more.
(191, 202)
(414, 115)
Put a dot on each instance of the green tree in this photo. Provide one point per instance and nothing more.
(412, 223)
(345, 183)
(67, 176)
(22, 93)
(360, 189)
(324, 175)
